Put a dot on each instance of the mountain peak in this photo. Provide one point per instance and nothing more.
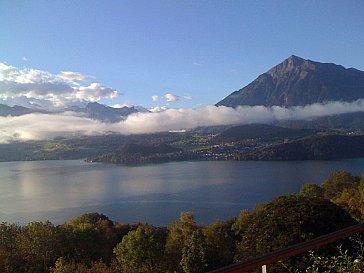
(16, 110)
(298, 82)
(95, 104)
(291, 63)
(295, 59)
(106, 113)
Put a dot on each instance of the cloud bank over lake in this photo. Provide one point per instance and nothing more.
(39, 126)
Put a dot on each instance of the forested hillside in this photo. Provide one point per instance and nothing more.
(144, 153)
(262, 132)
(329, 147)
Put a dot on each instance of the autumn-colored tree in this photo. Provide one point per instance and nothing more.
(337, 182)
(351, 200)
(91, 237)
(10, 259)
(311, 190)
(180, 233)
(237, 226)
(194, 254)
(39, 246)
(220, 242)
(346, 190)
(289, 220)
(142, 250)
(62, 266)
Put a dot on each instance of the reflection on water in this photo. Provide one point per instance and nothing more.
(58, 190)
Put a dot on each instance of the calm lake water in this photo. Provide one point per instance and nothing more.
(60, 190)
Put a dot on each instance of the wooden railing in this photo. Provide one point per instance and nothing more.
(265, 260)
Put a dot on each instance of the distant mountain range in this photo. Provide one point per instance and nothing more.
(93, 110)
(17, 110)
(298, 82)
(102, 112)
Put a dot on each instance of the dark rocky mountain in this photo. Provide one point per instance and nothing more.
(16, 110)
(296, 82)
(75, 108)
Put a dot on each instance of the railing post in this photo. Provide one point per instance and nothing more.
(264, 269)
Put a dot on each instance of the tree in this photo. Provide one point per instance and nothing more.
(194, 254)
(180, 232)
(83, 244)
(92, 236)
(351, 200)
(62, 266)
(220, 243)
(346, 190)
(39, 246)
(361, 185)
(238, 224)
(311, 190)
(10, 259)
(142, 250)
(337, 182)
(89, 220)
(289, 220)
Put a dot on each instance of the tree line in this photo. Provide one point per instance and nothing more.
(92, 243)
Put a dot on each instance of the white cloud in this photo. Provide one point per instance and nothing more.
(139, 108)
(95, 92)
(158, 109)
(171, 98)
(73, 77)
(21, 86)
(44, 126)
(156, 98)
(119, 105)
(197, 64)
(25, 59)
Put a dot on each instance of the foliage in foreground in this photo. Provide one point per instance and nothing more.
(344, 262)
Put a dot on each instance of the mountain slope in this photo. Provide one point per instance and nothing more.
(93, 110)
(16, 110)
(330, 147)
(260, 131)
(296, 81)
(107, 113)
(348, 121)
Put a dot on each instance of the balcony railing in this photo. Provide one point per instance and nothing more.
(297, 249)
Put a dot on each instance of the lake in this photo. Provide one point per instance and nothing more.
(60, 190)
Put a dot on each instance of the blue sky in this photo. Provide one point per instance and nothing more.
(200, 51)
